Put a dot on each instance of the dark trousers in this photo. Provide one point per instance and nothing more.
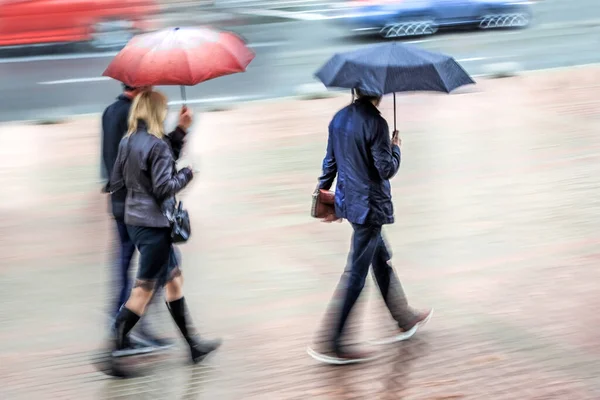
(369, 248)
(126, 251)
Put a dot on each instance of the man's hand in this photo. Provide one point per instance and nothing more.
(185, 118)
(331, 218)
(396, 141)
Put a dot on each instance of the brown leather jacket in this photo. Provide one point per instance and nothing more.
(146, 167)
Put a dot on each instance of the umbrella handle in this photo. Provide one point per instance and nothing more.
(394, 111)
(183, 96)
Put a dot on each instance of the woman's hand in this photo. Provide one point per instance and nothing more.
(192, 168)
(186, 117)
(188, 172)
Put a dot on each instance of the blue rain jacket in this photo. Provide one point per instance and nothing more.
(360, 154)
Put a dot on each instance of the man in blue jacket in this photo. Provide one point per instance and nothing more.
(361, 155)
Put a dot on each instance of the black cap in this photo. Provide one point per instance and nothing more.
(366, 95)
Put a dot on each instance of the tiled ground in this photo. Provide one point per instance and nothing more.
(497, 209)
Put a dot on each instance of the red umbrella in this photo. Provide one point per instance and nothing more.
(179, 56)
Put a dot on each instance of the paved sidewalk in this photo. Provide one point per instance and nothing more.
(497, 214)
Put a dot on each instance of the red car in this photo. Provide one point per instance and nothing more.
(102, 23)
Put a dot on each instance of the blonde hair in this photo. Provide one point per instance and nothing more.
(151, 107)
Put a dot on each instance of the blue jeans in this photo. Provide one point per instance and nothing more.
(369, 248)
(126, 251)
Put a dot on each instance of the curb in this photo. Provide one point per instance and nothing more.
(214, 16)
(503, 70)
(316, 91)
(313, 91)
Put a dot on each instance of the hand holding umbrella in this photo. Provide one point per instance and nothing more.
(185, 118)
(185, 122)
(396, 137)
(179, 56)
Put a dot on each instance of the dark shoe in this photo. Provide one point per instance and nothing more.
(420, 319)
(127, 347)
(200, 348)
(132, 349)
(109, 360)
(104, 362)
(122, 345)
(143, 338)
(341, 357)
(111, 367)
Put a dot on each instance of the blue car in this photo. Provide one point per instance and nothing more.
(401, 18)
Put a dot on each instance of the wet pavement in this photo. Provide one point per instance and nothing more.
(496, 207)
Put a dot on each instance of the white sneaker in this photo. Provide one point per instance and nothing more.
(422, 320)
(341, 358)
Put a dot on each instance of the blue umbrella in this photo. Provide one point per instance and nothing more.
(393, 67)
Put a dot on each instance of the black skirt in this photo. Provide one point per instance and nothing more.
(158, 258)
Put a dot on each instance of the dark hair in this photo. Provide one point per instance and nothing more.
(366, 96)
(128, 88)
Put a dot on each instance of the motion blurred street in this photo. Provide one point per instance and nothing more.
(496, 202)
(496, 206)
(44, 83)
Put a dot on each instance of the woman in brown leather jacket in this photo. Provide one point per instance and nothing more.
(146, 167)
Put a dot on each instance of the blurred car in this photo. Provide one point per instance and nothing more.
(399, 18)
(102, 23)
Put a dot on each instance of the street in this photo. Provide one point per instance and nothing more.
(288, 53)
(496, 228)
(496, 209)
(549, 11)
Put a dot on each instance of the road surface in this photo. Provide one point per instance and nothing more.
(288, 53)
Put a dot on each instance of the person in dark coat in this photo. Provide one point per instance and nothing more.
(146, 168)
(114, 127)
(362, 157)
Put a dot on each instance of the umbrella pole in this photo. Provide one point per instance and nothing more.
(394, 111)
(182, 88)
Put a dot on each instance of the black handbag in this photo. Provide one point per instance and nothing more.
(181, 228)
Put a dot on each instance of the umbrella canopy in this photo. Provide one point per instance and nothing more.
(393, 67)
(179, 56)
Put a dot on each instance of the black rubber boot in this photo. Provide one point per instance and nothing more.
(119, 345)
(124, 323)
(199, 348)
(143, 336)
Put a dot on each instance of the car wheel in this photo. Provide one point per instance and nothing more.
(111, 34)
(517, 20)
(408, 28)
(521, 20)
